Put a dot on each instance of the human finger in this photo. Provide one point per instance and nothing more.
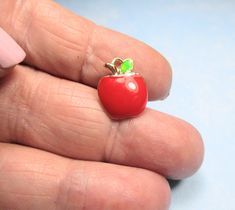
(33, 179)
(67, 118)
(66, 45)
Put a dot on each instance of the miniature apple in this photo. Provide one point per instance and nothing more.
(124, 93)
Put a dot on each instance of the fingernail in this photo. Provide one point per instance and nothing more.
(10, 52)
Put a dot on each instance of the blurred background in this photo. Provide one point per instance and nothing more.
(198, 38)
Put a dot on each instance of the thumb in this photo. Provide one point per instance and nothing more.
(10, 53)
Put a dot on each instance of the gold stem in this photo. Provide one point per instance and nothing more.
(111, 67)
(114, 66)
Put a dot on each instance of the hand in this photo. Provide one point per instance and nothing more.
(59, 149)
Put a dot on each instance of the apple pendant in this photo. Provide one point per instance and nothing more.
(124, 93)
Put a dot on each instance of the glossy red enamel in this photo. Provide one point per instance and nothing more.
(123, 96)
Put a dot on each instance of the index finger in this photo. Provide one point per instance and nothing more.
(66, 45)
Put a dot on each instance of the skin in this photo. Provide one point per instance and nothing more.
(59, 149)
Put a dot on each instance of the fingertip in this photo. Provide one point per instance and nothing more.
(197, 150)
(191, 155)
(160, 83)
(156, 193)
(11, 53)
(162, 192)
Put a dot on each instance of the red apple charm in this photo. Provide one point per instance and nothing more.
(123, 94)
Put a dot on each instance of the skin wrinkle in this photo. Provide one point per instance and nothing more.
(59, 136)
(12, 117)
(41, 196)
(85, 128)
(35, 175)
(28, 171)
(68, 187)
(79, 134)
(5, 114)
(72, 96)
(77, 101)
(35, 139)
(131, 143)
(81, 103)
(18, 125)
(8, 123)
(79, 109)
(85, 141)
(92, 99)
(34, 91)
(67, 44)
(101, 61)
(21, 126)
(31, 135)
(88, 51)
(33, 167)
(84, 33)
(89, 108)
(123, 154)
(28, 107)
(76, 97)
(26, 124)
(21, 91)
(111, 140)
(62, 90)
(45, 101)
(25, 10)
(91, 60)
(91, 121)
(60, 139)
(35, 15)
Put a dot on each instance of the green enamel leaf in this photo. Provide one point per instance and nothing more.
(127, 66)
